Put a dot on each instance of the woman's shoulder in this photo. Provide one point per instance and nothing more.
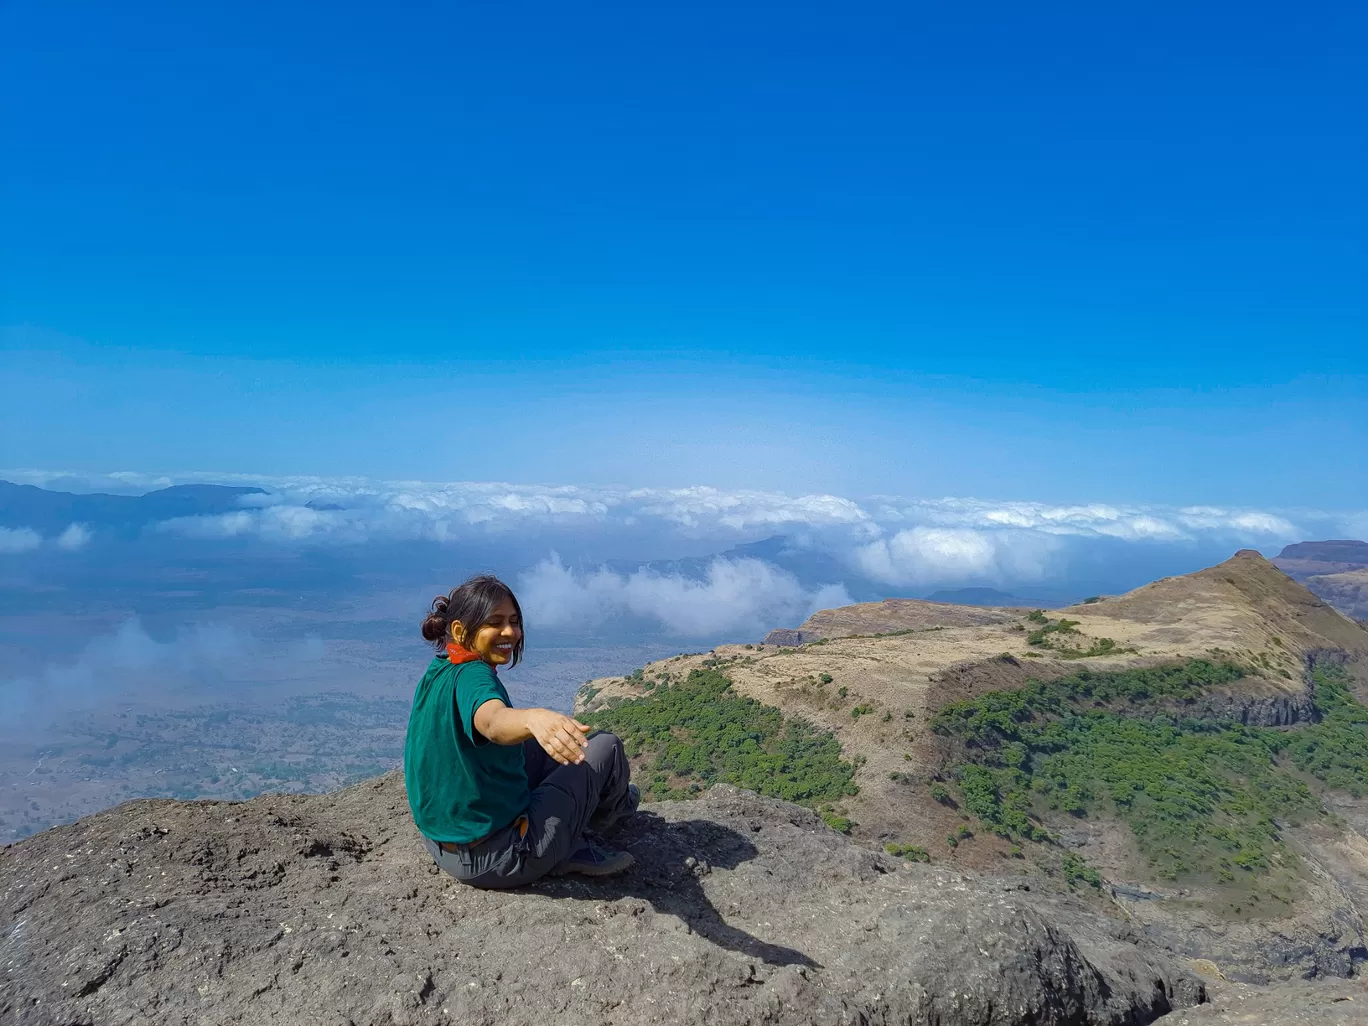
(475, 671)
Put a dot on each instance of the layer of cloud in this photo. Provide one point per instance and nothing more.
(932, 555)
(359, 508)
(26, 539)
(735, 598)
(1102, 520)
(75, 537)
(129, 664)
(890, 540)
(21, 539)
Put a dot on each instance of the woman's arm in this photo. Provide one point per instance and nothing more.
(561, 737)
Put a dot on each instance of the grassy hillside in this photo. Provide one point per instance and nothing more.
(684, 736)
(1204, 799)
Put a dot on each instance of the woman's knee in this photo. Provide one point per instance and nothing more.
(604, 748)
(604, 737)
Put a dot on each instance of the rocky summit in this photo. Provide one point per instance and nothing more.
(740, 909)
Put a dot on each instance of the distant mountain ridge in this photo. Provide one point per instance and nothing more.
(1335, 571)
(1334, 551)
(50, 512)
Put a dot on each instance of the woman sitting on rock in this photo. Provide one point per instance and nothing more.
(504, 796)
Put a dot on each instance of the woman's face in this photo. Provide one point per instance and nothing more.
(494, 640)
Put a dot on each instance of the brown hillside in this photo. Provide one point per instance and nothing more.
(1245, 606)
(891, 665)
(930, 654)
(892, 615)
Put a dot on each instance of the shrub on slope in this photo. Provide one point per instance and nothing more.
(694, 733)
(1202, 797)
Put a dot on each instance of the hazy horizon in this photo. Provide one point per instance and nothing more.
(259, 586)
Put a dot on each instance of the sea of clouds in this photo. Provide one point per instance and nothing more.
(739, 597)
(888, 542)
(609, 570)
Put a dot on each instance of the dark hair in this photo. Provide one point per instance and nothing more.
(472, 604)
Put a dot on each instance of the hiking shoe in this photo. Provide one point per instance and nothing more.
(630, 803)
(590, 859)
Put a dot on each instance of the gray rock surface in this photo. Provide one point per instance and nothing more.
(788, 636)
(325, 909)
(1300, 1003)
(1255, 709)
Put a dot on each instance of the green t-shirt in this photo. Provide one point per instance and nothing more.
(460, 785)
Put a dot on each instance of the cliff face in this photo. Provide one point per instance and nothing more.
(740, 910)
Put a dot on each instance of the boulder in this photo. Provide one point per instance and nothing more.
(325, 909)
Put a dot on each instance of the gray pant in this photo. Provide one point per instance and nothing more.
(565, 800)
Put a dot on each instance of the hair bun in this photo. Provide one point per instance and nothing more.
(435, 625)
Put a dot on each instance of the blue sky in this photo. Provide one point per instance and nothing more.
(1055, 252)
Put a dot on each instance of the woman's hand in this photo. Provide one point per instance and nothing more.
(560, 736)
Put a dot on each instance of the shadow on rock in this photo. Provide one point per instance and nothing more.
(672, 862)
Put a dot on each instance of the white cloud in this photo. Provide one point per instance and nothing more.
(352, 510)
(129, 663)
(895, 540)
(1243, 522)
(77, 536)
(735, 597)
(932, 555)
(741, 511)
(20, 539)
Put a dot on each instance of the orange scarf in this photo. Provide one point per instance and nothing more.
(458, 654)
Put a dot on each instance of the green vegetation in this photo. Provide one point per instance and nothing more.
(1040, 637)
(1200, 796)
(1077, 871)
(689, 735)
(1049, 633)
(1100, 647)
(837, 822)
(1335, 750)
(911, 852)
